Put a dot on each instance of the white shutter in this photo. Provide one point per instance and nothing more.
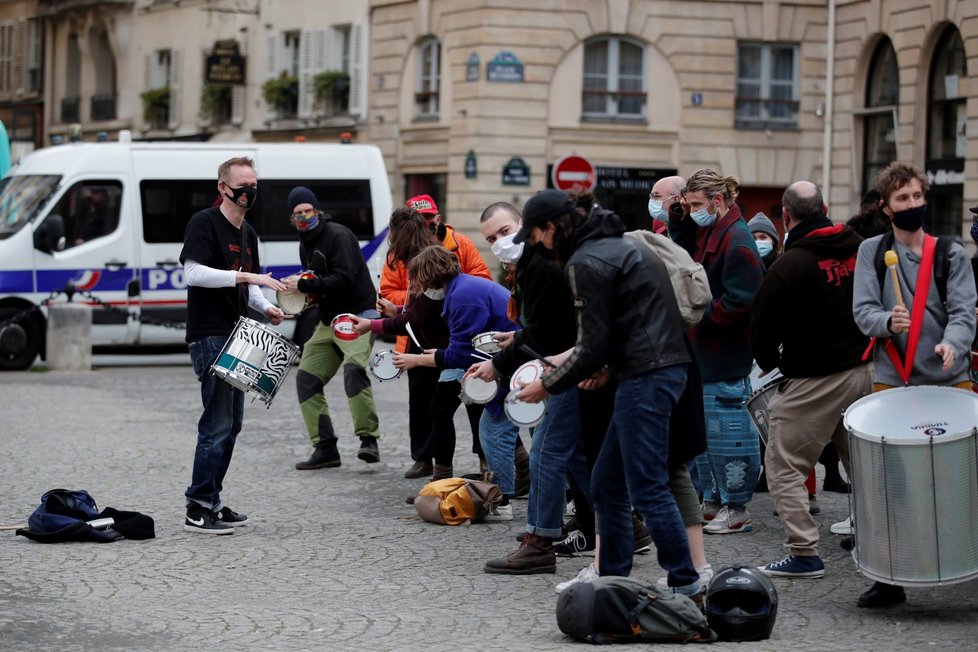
(176, 65)
(312, 60)
(19, 57)
(271, 70)
(237, 105)
(358, 89)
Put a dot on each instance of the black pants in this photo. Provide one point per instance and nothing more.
(596, 409)
(421, 392)
(443, 407)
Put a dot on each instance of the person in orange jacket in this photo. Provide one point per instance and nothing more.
(422, 381)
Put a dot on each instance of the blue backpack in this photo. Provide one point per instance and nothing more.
(65, 515)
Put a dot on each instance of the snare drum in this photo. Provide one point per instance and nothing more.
(486, 342)
(292, 301)
(476, 390)
(344, 327)
(382, 366)
(762, 389)
(526, 373)
(523, 414)
(913, 453)
(256, 359)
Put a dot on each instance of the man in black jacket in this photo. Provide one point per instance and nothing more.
(628, 321)
(342, 285)
(802, 323)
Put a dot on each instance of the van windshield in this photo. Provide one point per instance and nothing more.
(21, 197)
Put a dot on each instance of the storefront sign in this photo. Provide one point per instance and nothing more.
(225, 65)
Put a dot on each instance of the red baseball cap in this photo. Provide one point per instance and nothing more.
(424, 204)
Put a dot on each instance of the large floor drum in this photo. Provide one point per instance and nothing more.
(914, 461)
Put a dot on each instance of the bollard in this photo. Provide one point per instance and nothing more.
(69, 345)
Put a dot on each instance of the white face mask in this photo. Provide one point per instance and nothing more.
(703, 217)
(656, 211)
(435, 295)
(764, 247)
(507, 252)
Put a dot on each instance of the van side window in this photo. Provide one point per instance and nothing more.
(90, 210)
(347, 201)
(168, 206)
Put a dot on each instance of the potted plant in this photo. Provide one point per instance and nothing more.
(215, 103)
(282, 93)
(156, 106)
(332, 89)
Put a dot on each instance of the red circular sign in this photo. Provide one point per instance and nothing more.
(572, 172)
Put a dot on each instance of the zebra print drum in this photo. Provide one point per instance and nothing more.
(256, 359)
(913, 453)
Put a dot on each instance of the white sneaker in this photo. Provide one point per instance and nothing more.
(501, 513)
(706, 574)
(587, 574)
(729, 521)
(842, 527)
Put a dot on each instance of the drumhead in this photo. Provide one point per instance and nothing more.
(486, 342)
(523, 414)
(526, 374)
(907, 415)
(291, 302)
(757, 382)
(478, 390)
(343, 326)
(382, 366)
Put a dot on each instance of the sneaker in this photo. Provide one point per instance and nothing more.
(842, 527)
(795, 566)
(576, 543)
(730, 521)
(587, 575)
(228, 515)
(813, 507)
(420, 469)
(710, 510)
(640, 535)
(368, 450)
(500, 513)
(706, 574)
(202, 520)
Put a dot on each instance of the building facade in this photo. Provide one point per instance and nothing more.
(459, 91)
(21, 78)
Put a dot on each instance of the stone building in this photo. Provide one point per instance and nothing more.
(21, 61)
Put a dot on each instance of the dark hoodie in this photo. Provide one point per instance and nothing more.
(804, 306)
(627, 313)
(342, 282)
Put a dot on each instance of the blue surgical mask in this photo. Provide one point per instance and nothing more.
(656, 211)
(764, 247)
(703, 217)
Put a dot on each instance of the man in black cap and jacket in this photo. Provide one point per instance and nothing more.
(341, 284)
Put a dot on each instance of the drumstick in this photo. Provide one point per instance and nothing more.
(891, 260)
(533, 354)
(481, 356)
(414, 339)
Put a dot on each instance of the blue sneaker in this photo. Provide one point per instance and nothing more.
(795, 566)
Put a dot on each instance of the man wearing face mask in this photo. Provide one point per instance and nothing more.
(665, 196)
(942, 333)
(220, 251)
(342, 283)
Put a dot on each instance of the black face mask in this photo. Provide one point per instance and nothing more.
(244, 196)
(911, 219)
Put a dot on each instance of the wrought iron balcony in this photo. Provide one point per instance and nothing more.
(70, 110)
(103, 107)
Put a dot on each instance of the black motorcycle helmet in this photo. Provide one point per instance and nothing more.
(741, 604)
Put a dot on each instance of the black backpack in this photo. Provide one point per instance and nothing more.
(942, 261)
(65, 515)
(622, 610)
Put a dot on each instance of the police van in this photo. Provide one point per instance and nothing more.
(106, 220)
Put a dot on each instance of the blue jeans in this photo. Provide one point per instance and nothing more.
(729, 468)
(217, 428)
(632, 470)
(556, 450)
(498, 436)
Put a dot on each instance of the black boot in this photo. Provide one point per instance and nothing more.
(368, 452)
(882, 595)
(833, 479)
(324, 456)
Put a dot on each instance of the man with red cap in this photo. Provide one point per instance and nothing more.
(422, 381)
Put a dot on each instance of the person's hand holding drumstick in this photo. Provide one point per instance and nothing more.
(900, 316)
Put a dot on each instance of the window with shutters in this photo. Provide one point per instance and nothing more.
(156, 98)
(426, 94)
(34, 55)
(6, 57)
(613, 87)
(281, 88)
(767, 86)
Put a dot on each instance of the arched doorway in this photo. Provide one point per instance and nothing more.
(946, 135)
(879, 114)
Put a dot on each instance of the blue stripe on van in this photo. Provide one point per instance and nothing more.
(371, 247)
(94, 280)
(14, 281)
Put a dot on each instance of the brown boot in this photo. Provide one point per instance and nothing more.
(522, 460)
(442, 472)
(535, 555)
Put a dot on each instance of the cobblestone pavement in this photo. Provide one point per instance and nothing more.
(332, 559)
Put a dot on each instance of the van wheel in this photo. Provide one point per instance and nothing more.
(20, 341)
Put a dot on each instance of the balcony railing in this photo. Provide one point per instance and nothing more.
(70, 110)
(103, 107)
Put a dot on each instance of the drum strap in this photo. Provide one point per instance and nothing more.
(916, 314)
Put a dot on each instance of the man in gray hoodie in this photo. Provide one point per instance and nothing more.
(943, 339)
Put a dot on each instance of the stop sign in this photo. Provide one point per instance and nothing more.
(572, 172)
